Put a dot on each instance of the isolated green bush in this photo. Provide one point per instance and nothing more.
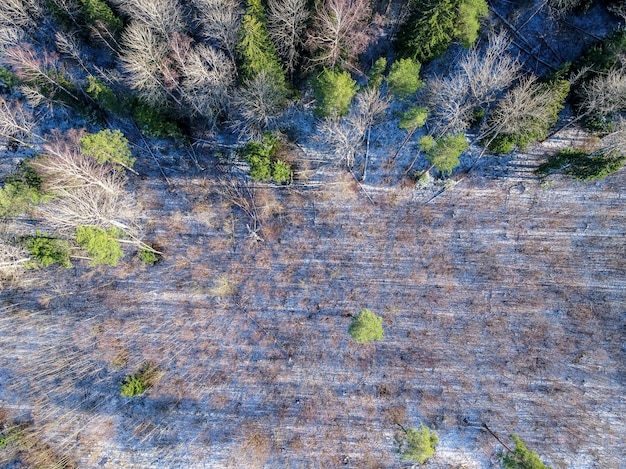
(417, 445)
(403, 77)
(366, 327)
(264, 166)
(133, 386)
(521, 457)
(108, 146)
(581, 165)
(101, 245)
(444, 153)
(334, 91)
(148, 257)
(414, 118)
(47, 250)
(140, 382)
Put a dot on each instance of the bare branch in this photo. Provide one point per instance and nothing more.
(287, 21)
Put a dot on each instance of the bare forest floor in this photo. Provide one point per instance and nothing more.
(503, 302)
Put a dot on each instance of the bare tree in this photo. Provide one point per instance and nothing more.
(529, 105)
(340, 32)
(19, 13)
(287, 20)
(219, 21)
(12, 260)
(16, 123)
(143, 59)
(481, 77)
(616, 140)
(490, 71)
(34, 66)
(259, 103)
(605, 94)
(165, 17)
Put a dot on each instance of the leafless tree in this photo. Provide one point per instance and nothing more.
(143, 59)
(259, 104)
(165, 17)
(491, 70)
(605, 94)
(242, 195)
(19, 13)
(346, 136)
(219, 21)
(33, 66)
(524, 107)
(618, 9)
(12, 260)
(616, 140)
(16, 123)
(340, 32)
(201, 75)
(481, 77)
(287, 20)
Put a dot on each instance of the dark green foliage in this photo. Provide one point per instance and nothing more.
(108, 146)
(444, 153)
(581, 165)
(413, 119)
(521, 457)
(97, 12)
(148, 257)
(604, 55)
(334, 91)
(256, 49)
(264, 166)
(366, 327)
(404, 78)
(417, 445)
(8, 79)
(104, 95)
(433, 24)
(22, 190)
(47, 250)
(101, 245)
(155, 122)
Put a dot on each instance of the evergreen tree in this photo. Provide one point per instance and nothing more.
(256, 49)
(521, 457)
(334, 91)
(443, 154)
(366, 327)
(108, 146)
(101, 245)
(404, 79)
(417, 445)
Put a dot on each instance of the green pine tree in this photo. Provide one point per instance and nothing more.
(108, 146)
(366, 327)
(521, 457)
(334, 91)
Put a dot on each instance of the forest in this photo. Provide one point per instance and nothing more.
(312, 233)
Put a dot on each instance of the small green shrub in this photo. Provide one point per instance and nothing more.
(133, 386)
(366, 327)
(264, 166)
(10, 437)
(444, 153)
(96, 11)
(417, 445)
(414, 118)
(375, 77)
(155, 122)
(48, 250)
(334, 91)
(140, 382)
(521, 457)
(108, 146)
(404, 79)
(148, 257)
(101, 245)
